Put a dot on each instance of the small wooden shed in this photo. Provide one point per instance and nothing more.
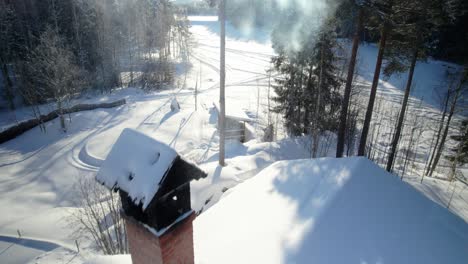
(236, 123)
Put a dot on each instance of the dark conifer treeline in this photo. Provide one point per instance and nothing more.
(108, 43)
(315, 100)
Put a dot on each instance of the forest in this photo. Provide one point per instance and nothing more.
(54, 50)
(317, 92)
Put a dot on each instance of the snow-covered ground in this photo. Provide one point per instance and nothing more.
(330, 211)
(38, 171)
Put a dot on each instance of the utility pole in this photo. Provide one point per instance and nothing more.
(269, 107)
(201, 76)
(196, 93)
(222, 81)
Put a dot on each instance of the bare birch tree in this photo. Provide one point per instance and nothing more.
(99, 216)
(53, 73)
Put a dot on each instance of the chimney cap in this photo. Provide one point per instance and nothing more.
(152, 179)
(137, 165)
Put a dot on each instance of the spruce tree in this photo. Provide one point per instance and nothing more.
(288, 92)
(327, 99)
(307, 91)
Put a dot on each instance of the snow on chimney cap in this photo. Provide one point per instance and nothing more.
(136, 164)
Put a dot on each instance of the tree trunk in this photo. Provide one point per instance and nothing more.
(8, 85)
(407, 154)
(375, 82)
(401, 117)
(317, 108)
(439, 131)
(447, 126)
(299, 93)
(61, 116)
(347, 91)
(268, 97)
(196, 89)
(307, 113)
(77, 36)
(130, 56)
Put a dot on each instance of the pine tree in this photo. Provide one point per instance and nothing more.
(288, 93)
(384, 11)
(414, 23)
(349, 80)
(328, 99)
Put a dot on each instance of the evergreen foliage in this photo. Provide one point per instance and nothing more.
(413, 24)
(308, 87)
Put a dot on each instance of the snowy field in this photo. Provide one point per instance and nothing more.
(38, 171)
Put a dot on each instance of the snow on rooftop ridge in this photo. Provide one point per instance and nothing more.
(136, 164)
(331, 211)
(234, 113)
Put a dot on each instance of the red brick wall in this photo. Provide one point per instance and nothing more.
(175, 246)
(144, 246)
(177, 243)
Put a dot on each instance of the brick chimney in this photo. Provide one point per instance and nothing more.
(154, 186)
(175, 245)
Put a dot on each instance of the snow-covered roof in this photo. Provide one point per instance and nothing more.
(328, 211)
(234, 113)
(136, 164)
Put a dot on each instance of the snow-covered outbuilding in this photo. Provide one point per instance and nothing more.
(236, 123)
(154, 186)
(328, 211)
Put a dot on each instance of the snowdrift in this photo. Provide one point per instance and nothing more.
(328, 211)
